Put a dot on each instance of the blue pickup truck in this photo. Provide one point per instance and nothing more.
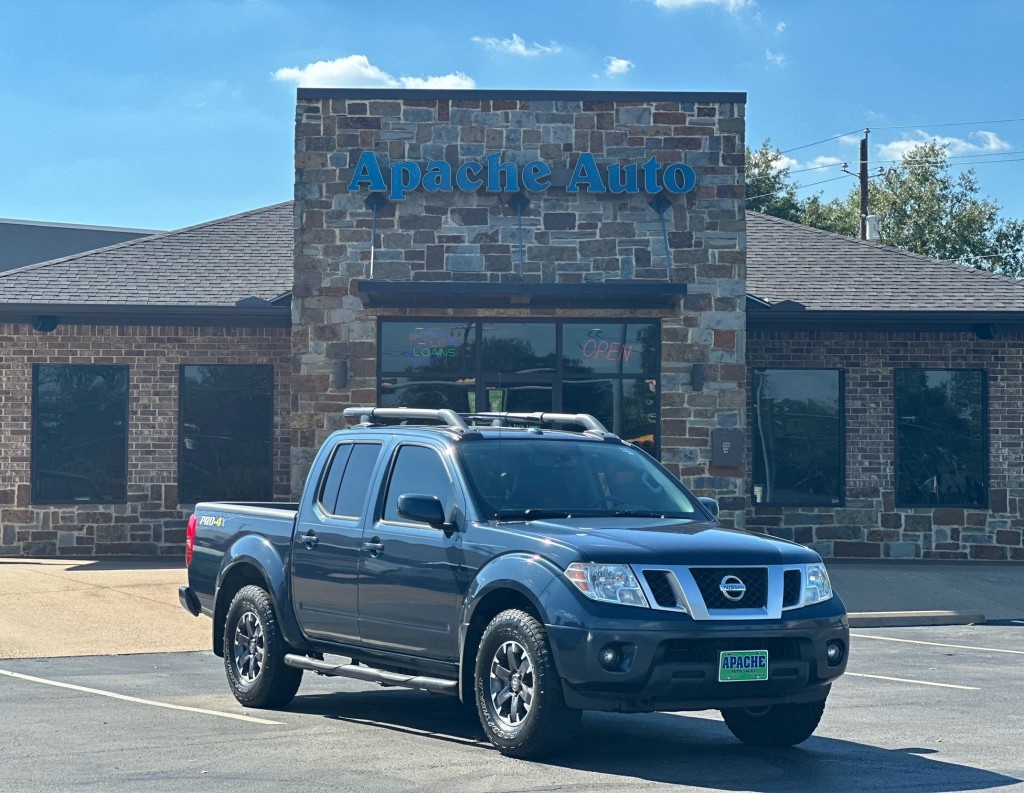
(533, 565)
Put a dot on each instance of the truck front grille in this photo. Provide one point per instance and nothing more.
(703, 592)
(710, 580)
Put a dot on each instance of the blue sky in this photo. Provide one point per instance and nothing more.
(165, 113)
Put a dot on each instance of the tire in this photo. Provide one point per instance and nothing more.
(518, 691)
(254, 652)
(776, 725)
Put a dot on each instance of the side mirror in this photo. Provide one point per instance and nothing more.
(422, 509)
(710, 504)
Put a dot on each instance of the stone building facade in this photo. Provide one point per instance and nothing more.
(472, 254)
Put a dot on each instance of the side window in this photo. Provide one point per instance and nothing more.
(356, 482)
(418, 470)
(798, 437)
(344, 488)
(941, 437)
(328, 496)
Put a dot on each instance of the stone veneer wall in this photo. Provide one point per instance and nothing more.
(152, 521)
(569, 239)
(870, 525)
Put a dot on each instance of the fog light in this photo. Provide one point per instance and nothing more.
(834, 652)
(610, 656)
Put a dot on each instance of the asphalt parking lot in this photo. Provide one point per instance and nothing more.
(922, 709)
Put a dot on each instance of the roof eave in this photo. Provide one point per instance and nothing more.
(103, 314)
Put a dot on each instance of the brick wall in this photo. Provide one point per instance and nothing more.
(870, 525)
(474, 237)
(152, 522)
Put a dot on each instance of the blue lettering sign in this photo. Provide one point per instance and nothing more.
(495, 176)
(586, 173)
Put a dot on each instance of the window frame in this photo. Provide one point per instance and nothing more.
(181, 421)
(34, 456)
(558, 376)
(986, 443)
(841, 378)
(385, 494)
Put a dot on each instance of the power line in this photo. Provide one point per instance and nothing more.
(953, 124)
(826, 140)
(802, 186)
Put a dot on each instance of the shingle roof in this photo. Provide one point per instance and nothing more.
(213, 264)
(24, 242)
(828, 272)
(250, 255)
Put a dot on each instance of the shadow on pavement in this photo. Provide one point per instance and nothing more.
(673, 749)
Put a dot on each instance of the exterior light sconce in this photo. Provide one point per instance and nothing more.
(44, 323)
(697, 377)
(660, 204)
(374, 202)
(520, 203)
(341, 374)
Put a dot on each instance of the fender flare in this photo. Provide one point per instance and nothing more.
(527, 574)
(258, 552)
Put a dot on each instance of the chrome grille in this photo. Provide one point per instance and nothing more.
(755, 579)
(792, 584)
(661, 587)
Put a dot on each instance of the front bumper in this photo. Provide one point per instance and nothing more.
(675, 666)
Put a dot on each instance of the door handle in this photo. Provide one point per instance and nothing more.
(374, 546)
(309, 539)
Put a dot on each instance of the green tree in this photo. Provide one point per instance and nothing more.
(924, 208)
(769, 188)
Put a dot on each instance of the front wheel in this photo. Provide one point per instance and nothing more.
(774, 725)
(254, 652)
(518, 691)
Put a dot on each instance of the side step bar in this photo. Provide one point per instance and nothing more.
(434, 685)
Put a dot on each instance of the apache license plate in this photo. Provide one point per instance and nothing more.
(737, 665)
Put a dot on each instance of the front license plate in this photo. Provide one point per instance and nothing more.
(738, 665)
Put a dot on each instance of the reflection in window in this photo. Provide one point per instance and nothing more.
(227, 418)
(518, 347)
(407, 393)
(418, 471)
(798, 448)
(615, 348)
(626, 407)
(427, 348)
(79, 434)
(941, 437)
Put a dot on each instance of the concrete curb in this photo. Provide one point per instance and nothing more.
(903, 619)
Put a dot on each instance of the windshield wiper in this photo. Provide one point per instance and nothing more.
(647, 513)
(537, 514)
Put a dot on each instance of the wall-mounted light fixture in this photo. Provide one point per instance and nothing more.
(340, 374)
(44, 323)
(660, 204)
(520, 203)
(697, 377)
(374, 202)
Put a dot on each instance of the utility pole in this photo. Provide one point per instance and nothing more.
(864, 185)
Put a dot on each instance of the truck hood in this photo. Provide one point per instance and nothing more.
(656, 541)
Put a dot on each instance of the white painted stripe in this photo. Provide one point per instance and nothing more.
(915, 682)
(937, 644)
(126, 698)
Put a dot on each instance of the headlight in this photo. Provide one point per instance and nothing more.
(609, 583)
(817, 587)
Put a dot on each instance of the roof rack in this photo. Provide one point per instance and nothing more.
(368, 416)
(590, 424)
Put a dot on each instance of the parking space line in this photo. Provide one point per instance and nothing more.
(126, 698)
(915, 682)
(938, 644)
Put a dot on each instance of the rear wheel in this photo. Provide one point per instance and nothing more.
(774, 725)
(518, 691)
(254, 652)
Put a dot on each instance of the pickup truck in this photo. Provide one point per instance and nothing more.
(533, 565)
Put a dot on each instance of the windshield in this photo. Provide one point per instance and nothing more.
(527, 479)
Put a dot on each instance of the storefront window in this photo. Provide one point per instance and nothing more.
(941, 437)
(798, 437)
(607, 369)
(79, 434)
(227, 421)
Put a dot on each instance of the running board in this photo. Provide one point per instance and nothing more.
(434, 685)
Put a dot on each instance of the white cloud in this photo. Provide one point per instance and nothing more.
(732, 6)
(774, 58)
(986, 143)
(821, 162)
(518, 46)
(356, 71)
(613, 67)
